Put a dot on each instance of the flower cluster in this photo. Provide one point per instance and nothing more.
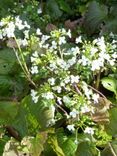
(61, 70)
(9, 26)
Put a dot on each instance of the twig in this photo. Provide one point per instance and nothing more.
(62, 109)
(113, 152)
(76, 88)
(97, 91)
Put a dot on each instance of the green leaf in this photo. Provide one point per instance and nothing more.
(5, 6)
(55, 146)
(110, 84)
(12, 86)
(95, 15)
(64, 6)
(41, 111)
(67, 143)
(53, 9)
(111, 25)
(6, 84)
(20, 122)
(38, 143)
(113, 12)
(7, 61)
(8, 111)
(86, 149)
(111, 127)
(2, 144)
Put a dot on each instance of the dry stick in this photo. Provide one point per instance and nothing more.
(62, 109)
(97, 91)
(76, 87)
(113, 152)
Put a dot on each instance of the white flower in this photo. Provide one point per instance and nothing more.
(71, 61)
(35, 54)
(69, 33)
(57, 88)
(93, 51)
(34, 96)
(51, 81)
(54, 45)
(95, 97)
(38, 32)
(111, 35)
(75, 50)
(63, 31)
(89, 130)
(67, 80)
(59, 100)
(18, 23)
(114, 55)
(104, 56)
(85, 109)
(96, 64)
(84, 61)
(52, 66)
(24, 42)
(62, 84)
(101, 44)
(74, 79)
(33, 92)
(112, 62)
(78, 39)
(48, 95)
(62, 63)
(26, 33)
(1, 23)
(39, 11)
(73, 113)
(45, 46)
(1, 36)
(62, 40)
(34, 70)
(9, 30)
(44, 38)
(26, 25)
(88, 92)
(33, 59)
(71, 127)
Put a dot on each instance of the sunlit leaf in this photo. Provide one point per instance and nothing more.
(67, 143)
(110, 84)
(86, 149)
(55, 146)
(41, 110)
(38, 142)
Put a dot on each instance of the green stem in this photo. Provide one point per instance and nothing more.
(98, 80)
(60, 52)
(23, 63)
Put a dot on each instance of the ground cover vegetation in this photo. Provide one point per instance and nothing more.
(58, 78)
